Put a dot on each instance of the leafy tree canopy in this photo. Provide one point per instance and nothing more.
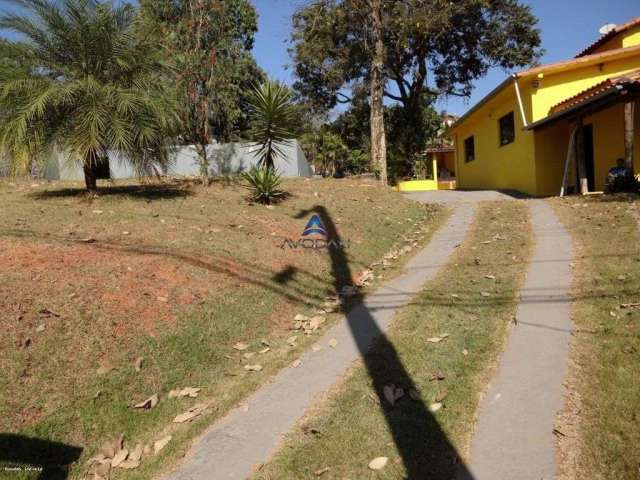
(81, 78)
(433, 47)
(210, 43)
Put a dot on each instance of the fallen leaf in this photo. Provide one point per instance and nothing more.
(160, 444)
(253, 368)
(316, 321)
(119, 457)
(248, 355)
(88, 240)
(296, 363)
(110, 448)
(322, 471)
(441, 396)
(378, 463)
(300, 318)
(490, 277)
(149, 403)
(136, 453)
(40, 328)
(138, 364)
(389, 394)
(434, 407)
(264, 350)
(485, 294)
(333, 343)
(163, 299)
(316, 348)
(98, 212)
(241, 346)
(104, 369)
(190, 414)
(434, 339)
(465, 352)
(129, 464)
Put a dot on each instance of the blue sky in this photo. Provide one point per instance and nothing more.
(567, 27)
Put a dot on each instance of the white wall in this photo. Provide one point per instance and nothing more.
(223, 158)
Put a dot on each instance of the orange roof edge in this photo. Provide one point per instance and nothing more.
(580, 62)
(608, 36)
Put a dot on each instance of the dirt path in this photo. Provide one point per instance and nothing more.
(514, 438)
(244, 439)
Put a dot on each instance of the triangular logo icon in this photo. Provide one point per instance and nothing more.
(314, 226)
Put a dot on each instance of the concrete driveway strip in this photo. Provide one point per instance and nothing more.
(514, 438)
(237, 444)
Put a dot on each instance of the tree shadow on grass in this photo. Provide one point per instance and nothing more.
(425, 449)
(159, 191)
(24, 457)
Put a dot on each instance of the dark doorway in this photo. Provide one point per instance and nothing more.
(588, 157)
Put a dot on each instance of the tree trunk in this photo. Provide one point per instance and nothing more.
(629, 114)
(204, 165)
(90, 169)
(378, 140)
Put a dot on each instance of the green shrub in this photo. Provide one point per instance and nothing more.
(264, 185)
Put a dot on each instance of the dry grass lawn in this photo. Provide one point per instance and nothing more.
(175, 274)
(601, 422)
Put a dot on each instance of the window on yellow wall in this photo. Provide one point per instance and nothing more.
(507, 129)
(469, 149)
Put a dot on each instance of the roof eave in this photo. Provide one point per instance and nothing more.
(480, 104)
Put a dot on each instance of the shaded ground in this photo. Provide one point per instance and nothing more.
(176, 274)
(599, 426)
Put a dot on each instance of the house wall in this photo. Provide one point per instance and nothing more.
(498, 167)
(556, 87)
(551, 145)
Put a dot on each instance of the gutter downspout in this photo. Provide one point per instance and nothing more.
(515, 82)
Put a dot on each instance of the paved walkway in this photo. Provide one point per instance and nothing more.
(242, 440)
(514, 439)
(463, 196)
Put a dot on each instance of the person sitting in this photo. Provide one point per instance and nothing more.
(620, 179)
(620, 170)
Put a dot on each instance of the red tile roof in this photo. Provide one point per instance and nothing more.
(608, 36)
(631, 77)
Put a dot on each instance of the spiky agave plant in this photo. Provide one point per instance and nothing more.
(272, 118)
(264, 185)
(82, 79)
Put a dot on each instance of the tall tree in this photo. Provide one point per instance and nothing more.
(210, 41)
(432, 48)
(378, 139)
(82, 80)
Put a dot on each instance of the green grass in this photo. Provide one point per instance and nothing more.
(197, 271)
(601, 422)
(356, 423)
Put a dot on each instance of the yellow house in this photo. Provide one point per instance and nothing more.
(557, 126)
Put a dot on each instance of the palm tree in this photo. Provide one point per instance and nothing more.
(272, 118)
(82, 79)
